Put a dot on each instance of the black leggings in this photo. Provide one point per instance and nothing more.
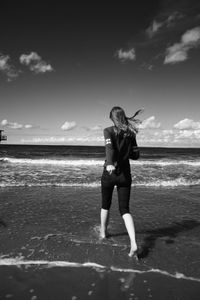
(123, 182)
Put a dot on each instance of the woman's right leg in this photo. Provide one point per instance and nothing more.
(106, 194)
(104, 222)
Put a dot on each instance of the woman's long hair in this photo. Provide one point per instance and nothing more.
(124, 124)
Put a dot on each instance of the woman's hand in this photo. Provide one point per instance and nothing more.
(110, 168)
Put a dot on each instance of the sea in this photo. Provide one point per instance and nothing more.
(33, 165)
(50, 247)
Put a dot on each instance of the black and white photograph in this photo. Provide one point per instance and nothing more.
(100, 150)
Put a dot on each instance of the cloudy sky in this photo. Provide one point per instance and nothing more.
(63, 67)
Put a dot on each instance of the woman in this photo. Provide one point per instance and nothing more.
(119, 139)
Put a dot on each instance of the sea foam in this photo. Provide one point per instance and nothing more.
(75, 162)
(95, 162)
(49, 264)
(179, 182)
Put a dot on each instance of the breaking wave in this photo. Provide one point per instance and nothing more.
(95, 162)
(155, 183)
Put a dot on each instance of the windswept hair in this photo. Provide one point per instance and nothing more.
(124, 124)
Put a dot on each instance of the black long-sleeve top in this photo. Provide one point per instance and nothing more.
(117, 147)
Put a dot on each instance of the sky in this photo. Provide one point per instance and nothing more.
(64, 66)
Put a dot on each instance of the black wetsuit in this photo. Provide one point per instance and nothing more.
(118, 147)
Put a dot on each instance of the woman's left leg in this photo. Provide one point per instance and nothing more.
(128, 220)
(124, 197)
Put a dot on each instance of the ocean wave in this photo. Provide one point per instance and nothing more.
(154, 183)
(19, 261)
(164, 163)
(48, 184)
(94, 162)
(169, 183)
(45, 161)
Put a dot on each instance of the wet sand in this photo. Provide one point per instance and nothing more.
(91, 283)
(41, 226)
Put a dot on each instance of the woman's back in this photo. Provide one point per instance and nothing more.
(118, 146)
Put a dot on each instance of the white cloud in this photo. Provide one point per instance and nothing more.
(6, 68)
(35, 63)
(176, 53)
(11, 125)
(187, 124)
(63, 139)
(153, 28)
(197, 134)
(28, 126)
(86, 139)
(179, 51)
(124, 55)
(157, 25)
(150, 123)
(4, 61)
(15, 125)
(39, 140)
(27, 59)
(41, 67)
(155, 138)
(94, 128)
(184, 134)
(169, 138)
(68, 125)
(147, 66)
(191, 37)
(175, 16)
(190, 137)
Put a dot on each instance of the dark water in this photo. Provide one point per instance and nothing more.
(82, 166)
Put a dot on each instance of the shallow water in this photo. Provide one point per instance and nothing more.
(49, 220)
(63, 224)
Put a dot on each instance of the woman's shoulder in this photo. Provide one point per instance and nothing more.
(109, 129)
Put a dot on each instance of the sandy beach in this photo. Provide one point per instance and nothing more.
(50, 237)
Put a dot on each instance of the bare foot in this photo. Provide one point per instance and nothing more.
(133, 252)
(103, 234)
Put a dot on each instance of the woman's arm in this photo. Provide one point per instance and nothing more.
(134, 149)
(109, 151)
